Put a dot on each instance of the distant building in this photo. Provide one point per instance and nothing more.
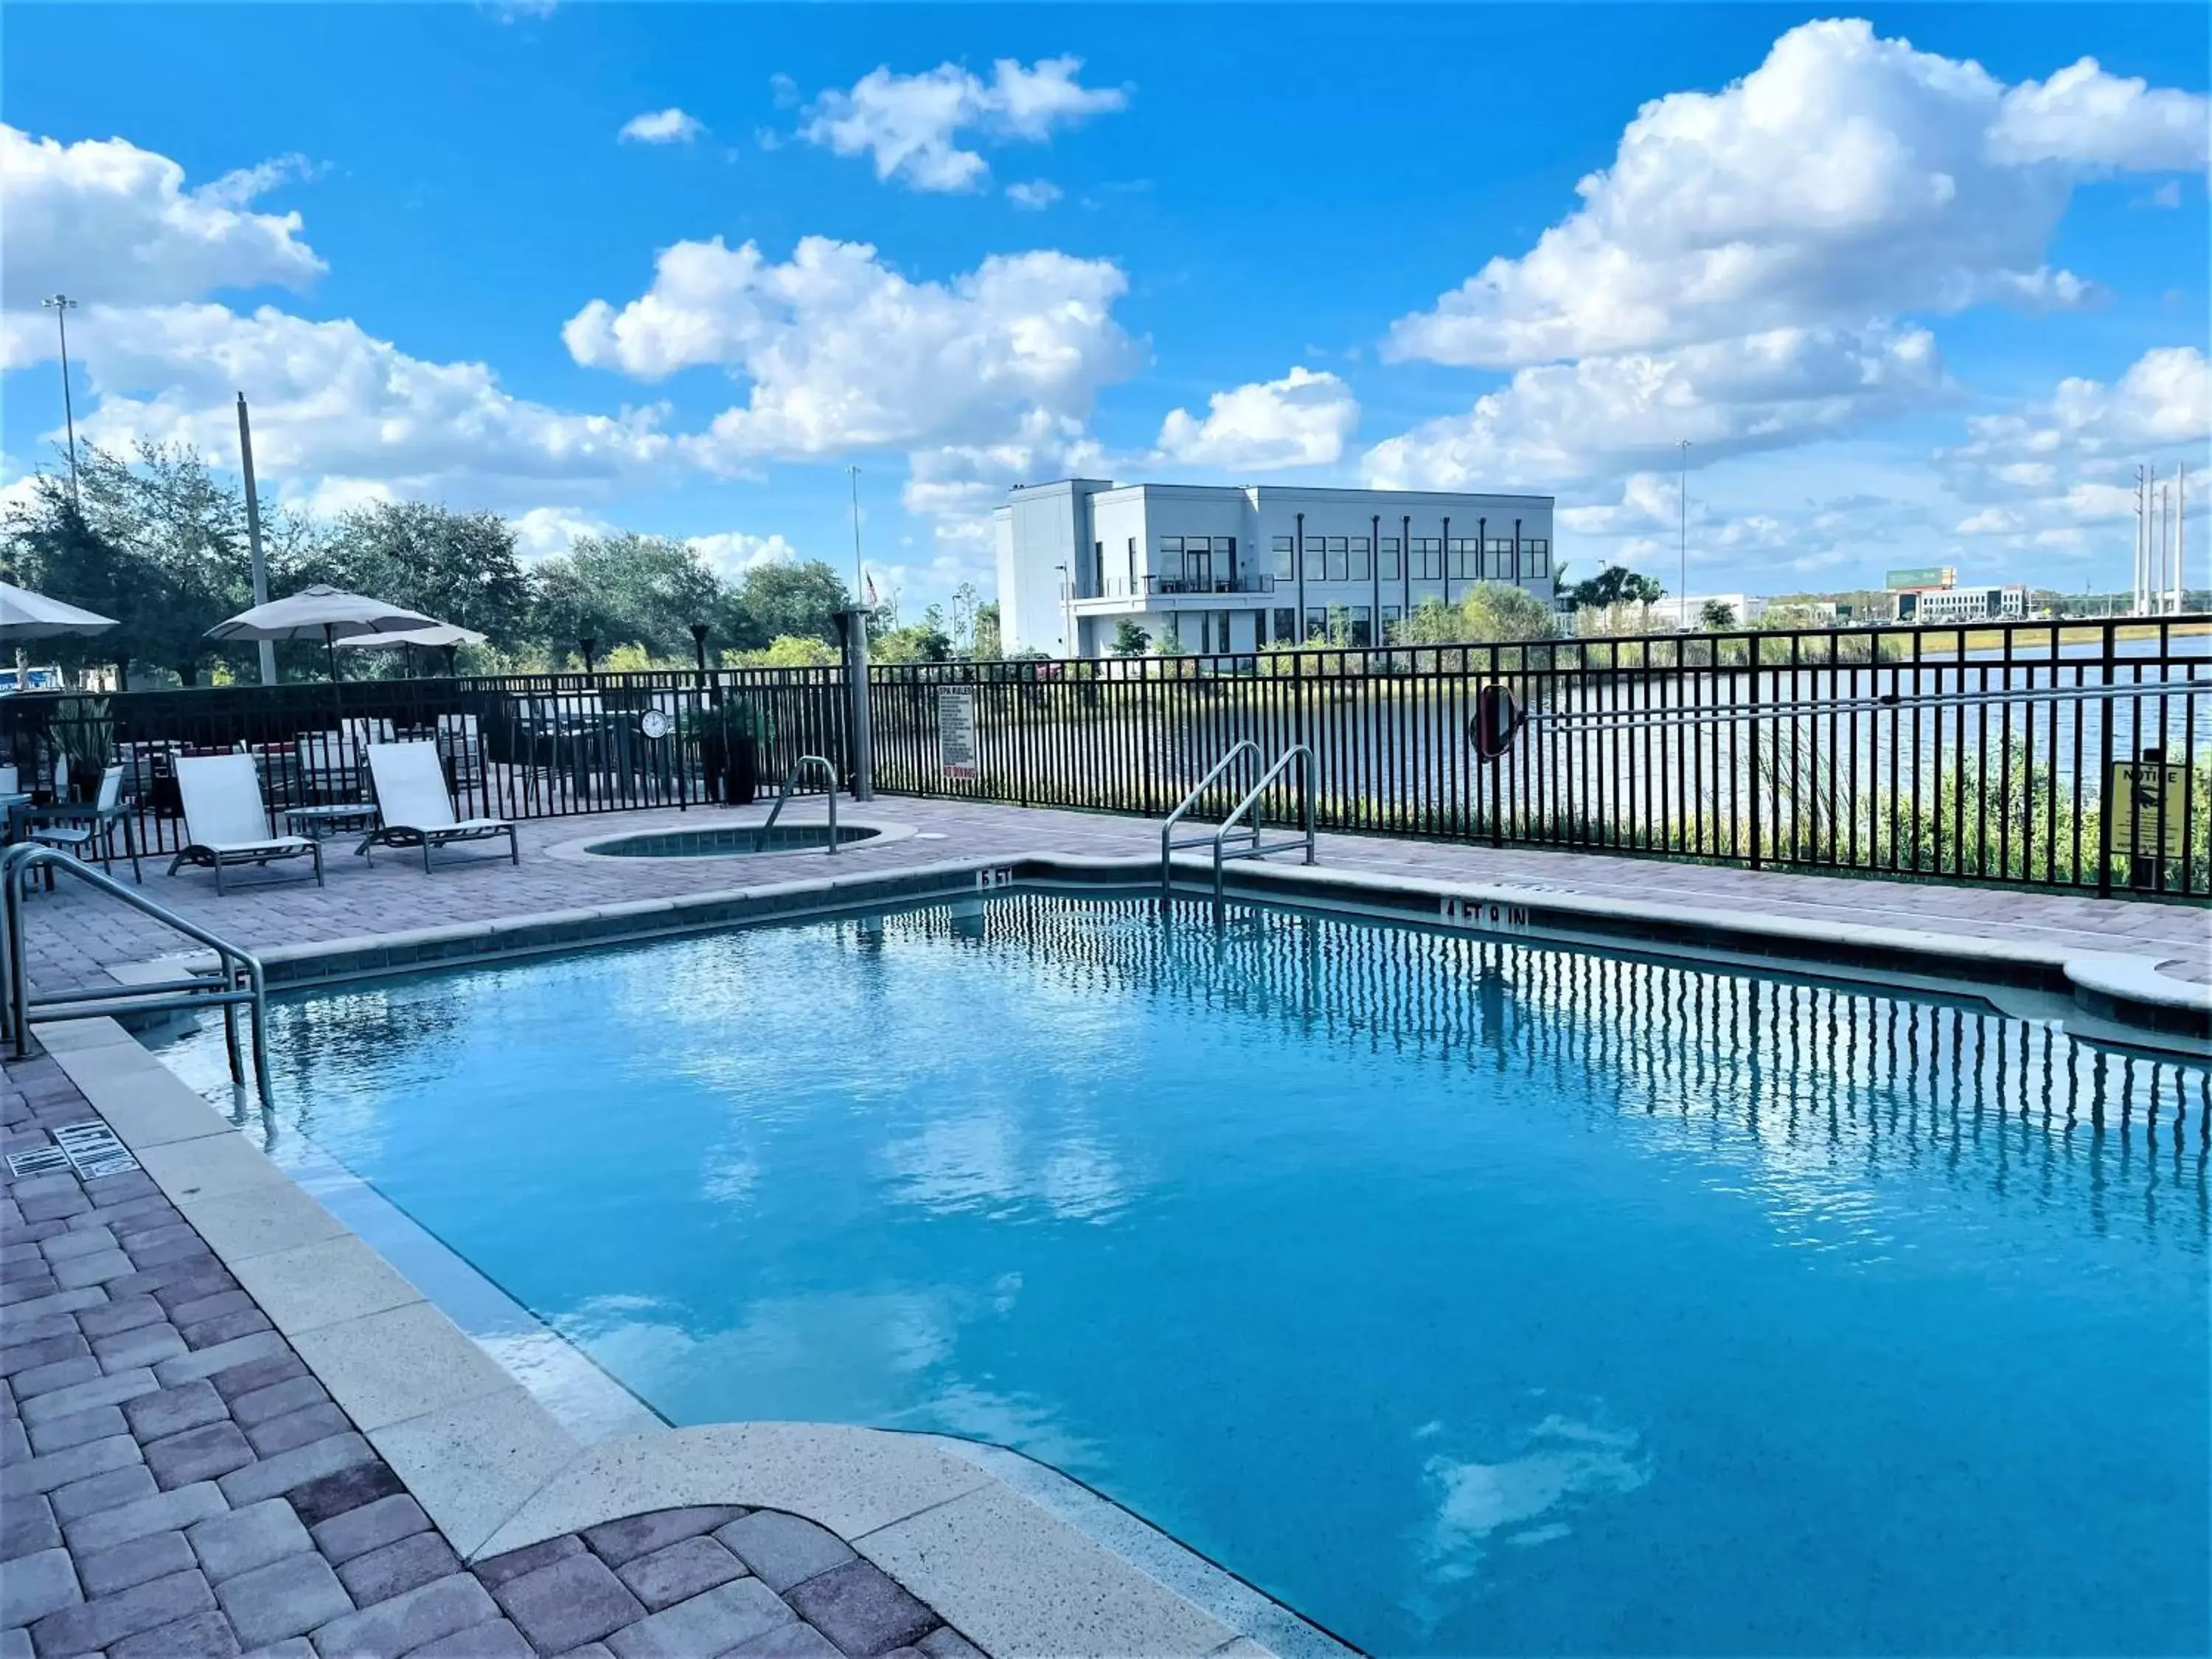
(1675, 612)
(1233, 567)
(1926, 605)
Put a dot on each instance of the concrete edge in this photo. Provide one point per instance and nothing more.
(495, 1471)
(584, 848)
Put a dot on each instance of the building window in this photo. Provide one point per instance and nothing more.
(1316, 626)
(1465, 565)
(1389, 619)
(1317, 558)
(1388, 559)
(1286, 625)
(1339, 555)
(1536, 559)
(1428, 558)
(1132, 565)
(1359, 556)
(1363, 627)
(1287, 553)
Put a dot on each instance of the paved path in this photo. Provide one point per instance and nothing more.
(175, 1483)
(72, 936)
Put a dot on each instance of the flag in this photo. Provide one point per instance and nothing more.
(869, 583)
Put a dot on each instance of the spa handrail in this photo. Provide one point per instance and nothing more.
(790, 779)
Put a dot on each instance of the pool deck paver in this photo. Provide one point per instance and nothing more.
(176, 1482)
(74, 936)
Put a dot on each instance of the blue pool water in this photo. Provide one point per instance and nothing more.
(1470, 1297)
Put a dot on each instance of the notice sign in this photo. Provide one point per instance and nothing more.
(956, 730)
(2147, 809)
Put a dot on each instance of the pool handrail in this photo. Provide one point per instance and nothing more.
(1258, 848)
(1168, 847)
(791, 777)
(238, 978)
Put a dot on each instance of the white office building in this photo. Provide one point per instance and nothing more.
(1232, 567)
(1936, 605)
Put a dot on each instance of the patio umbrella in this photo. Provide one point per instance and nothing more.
(441, 636)
(27, 616)
(325, 613)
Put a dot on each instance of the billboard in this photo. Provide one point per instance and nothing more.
(1930, 575)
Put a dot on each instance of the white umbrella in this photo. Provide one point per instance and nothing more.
(27, 616)
(444, 637)
(440, 634)
(321, 612)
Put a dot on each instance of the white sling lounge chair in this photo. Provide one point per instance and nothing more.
(226, 823)
(416, 808)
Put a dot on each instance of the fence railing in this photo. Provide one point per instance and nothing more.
(517, 746)
(2056, 755)
(1983, 753)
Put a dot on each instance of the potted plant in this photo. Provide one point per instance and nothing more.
(83, 738)
(729, 749)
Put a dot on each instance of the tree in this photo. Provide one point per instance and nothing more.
(1129, 640)
(1429, 623)
(160, 546)
(458, 567)
(624, 589)
(1614, 584)
(786, 650)
(988, 643)
(1500, 610)
(793, 599)
(1716, 616)
(922, 642)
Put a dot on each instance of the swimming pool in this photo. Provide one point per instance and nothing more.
(1469, 1296)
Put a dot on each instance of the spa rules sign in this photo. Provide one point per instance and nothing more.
(956, 730)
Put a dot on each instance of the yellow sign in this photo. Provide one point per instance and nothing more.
(2147, 809)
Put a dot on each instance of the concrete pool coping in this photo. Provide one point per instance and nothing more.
(1018, 1558)
(2114, 997)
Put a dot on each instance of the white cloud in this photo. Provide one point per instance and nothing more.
(2088, 117)
(732, 552)
(1301, 420)
(1847, 178)
(911, 124)
(337, 411)
(1035, 194)
(2032, 476)
(544, 531)
(106, 222)
(663, 126)
(839, 352)
(1603, 416)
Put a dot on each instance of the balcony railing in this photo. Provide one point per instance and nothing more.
(1183, 586)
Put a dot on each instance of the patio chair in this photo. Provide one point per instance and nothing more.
(91, 827)
(226, 824)
(416, 807)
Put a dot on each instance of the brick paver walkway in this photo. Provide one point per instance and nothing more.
(175, 1483)
(72, 936)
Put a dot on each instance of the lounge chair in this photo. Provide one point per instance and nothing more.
(88, 830)
(226, 824)
(416, 807)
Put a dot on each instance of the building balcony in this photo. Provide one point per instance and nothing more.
(1167, 593)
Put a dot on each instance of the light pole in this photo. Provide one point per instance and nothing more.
(1682, 593)
(61, 305)
(859, 576)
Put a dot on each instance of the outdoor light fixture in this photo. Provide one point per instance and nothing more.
(699, 631)
(588, 644)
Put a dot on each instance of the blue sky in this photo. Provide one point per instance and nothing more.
(1921, 284)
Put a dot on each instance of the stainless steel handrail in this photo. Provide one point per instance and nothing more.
(828, 772)
(1259, 848)
(1182, 806)
(239, 978)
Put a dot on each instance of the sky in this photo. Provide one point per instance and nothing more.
(1918, 285)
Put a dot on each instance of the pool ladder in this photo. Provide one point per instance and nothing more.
(790, 782)
(1245, 821)
(235, 981)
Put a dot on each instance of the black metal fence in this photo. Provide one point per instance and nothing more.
(519, 747)
(2071, 755)
(2020, 753)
